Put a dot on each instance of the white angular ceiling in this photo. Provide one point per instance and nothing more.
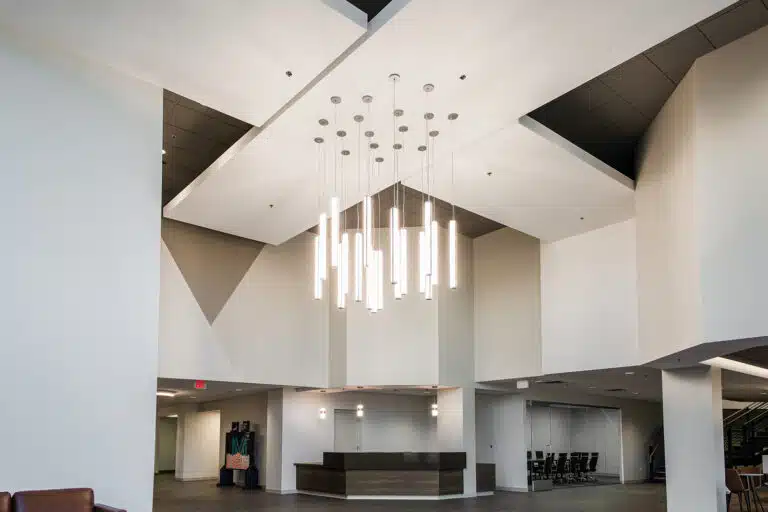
(231, 55)
(516, 55)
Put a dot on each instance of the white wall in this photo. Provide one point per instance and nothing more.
(165, 444)
(668, 266)
(270, 331)
(200, 444)
(731, 97)
(392, 422)
(507, 305)
(700, 207)
(399, 344)
(80, 157)
(589, 300)
(456, 314)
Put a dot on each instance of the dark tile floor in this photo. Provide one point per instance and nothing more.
(172, 496)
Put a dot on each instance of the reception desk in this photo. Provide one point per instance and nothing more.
(384, 474)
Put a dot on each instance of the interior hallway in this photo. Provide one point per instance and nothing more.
(172, 496)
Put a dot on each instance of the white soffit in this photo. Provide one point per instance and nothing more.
(516, 54)
(231, 55)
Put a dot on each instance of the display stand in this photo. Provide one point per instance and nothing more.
(241, 453)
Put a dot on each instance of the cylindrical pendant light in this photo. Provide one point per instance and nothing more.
(318, 282)
(403, 282)
(428, 236)
(394, 245)
(370, 286)
(368, 230)
(359, 267)
(452, 241)
(341, 298)
(334, 232)
(435, 253)
(428, 287)
(322, 232)
(422, 262)
(344, 263)
(380, 279)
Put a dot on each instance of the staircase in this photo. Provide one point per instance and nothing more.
(745, 435)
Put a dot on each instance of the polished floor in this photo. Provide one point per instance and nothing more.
(172, 496)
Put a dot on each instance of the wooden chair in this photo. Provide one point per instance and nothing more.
(736, 486)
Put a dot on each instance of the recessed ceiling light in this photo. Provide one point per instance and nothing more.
(592, 387)
(629, 373)
(239, 389)
(193, 397)
(166, 394)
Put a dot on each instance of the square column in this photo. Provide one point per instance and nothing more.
(693, 440)
(456, 429)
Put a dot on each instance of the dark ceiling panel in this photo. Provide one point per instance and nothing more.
(370, 7)
(641, 83)
(676, 55)
(757, 356)
(608, 115)
(194, 136)
(747, 16)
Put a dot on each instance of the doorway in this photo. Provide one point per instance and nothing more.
(347, 431)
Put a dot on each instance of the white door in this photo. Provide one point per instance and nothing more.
(347, 431)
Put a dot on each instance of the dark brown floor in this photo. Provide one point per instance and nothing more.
(172, 496)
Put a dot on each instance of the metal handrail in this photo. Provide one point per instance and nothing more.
(754, 406)
(759, 416)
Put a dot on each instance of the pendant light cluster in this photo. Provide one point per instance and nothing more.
(367, 252)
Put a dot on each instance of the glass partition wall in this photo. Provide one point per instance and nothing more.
(572, 445)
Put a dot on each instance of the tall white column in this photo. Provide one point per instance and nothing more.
(274, 445)
(198, 437)
(456, 429)
(80, 273)
(693, 440)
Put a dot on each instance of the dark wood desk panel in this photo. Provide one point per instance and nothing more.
(316, 478)
(384, 474)
(451, 482)
(392, 483)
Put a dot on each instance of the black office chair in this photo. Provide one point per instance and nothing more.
(560, 469)
(539, 455)
(584, 466)
(592, 467)
(575, 468)
(548, 466)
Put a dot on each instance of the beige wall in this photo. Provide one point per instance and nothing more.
(701, 210)
(507, 305)
(589, 300)
(270, 330)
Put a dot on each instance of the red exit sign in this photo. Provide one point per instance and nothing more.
(201, 384)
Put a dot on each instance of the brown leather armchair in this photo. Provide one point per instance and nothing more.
(69, 500)
(5, 502)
